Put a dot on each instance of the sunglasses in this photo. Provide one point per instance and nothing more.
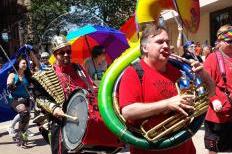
(62, 52)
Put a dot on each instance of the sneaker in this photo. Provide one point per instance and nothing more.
(24, 136)
(30, 133)
(11, 132)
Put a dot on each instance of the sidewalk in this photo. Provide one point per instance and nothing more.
(198, 140)
(38, 146)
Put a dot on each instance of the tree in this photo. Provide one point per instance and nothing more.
(44, 15)
(113, 12)
(42, 12)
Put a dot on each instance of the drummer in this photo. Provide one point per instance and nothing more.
(70, 80)
(71, 77)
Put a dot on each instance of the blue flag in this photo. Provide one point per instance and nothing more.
(6, 112)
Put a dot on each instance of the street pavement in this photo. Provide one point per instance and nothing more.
(37, 145)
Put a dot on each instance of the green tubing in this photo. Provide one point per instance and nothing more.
(105, 103)
(105, 98)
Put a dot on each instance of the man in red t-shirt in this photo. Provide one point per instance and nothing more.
(156, 93)
(218, 121)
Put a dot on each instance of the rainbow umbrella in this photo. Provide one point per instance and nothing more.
(85, 38)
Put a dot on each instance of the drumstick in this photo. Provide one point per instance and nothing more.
(70, 117)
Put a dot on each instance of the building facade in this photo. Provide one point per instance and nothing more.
(11, 12)
(214, 13)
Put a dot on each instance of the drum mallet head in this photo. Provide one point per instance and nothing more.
(71, 117)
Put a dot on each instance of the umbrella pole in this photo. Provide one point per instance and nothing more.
(88, 45)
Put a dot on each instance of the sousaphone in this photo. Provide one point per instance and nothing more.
(149, 11)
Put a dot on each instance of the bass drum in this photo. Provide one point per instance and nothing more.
(89, 133)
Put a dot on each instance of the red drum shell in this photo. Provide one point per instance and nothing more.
(93, 133)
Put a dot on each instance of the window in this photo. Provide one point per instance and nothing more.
(218, 19)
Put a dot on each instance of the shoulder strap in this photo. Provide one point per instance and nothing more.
(139, 70)
(221, 65)
(222, 69)
(16, 78)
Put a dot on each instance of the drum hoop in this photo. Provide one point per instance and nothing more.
(77, 145)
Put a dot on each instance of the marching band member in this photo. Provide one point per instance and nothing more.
(69, 80)
(71, 77)
(155, 93)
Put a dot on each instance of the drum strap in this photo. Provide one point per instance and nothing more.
(82, 75)
(221, 64)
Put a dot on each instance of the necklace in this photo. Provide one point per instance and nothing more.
(66, 81)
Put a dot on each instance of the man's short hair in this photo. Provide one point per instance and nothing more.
(97, 50)
(150, 29)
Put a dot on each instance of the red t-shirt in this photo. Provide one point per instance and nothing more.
(155, 86)
(212, 67)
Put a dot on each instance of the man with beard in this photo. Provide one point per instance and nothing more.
(72, 77)
(155, 93)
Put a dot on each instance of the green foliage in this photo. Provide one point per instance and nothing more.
(113, 12)
(43, 12)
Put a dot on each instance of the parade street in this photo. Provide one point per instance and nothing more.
(36, 143)
(116, 76)
(38, 146)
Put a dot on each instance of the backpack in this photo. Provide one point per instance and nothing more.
(139, 70)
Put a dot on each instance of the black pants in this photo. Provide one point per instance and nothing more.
(57, 144)
(218, 137)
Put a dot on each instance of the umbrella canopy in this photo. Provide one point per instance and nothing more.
(84, 39)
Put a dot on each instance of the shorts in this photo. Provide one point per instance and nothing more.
(218, 137)
(20, 100)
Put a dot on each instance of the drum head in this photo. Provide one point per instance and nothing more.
(74, 131)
